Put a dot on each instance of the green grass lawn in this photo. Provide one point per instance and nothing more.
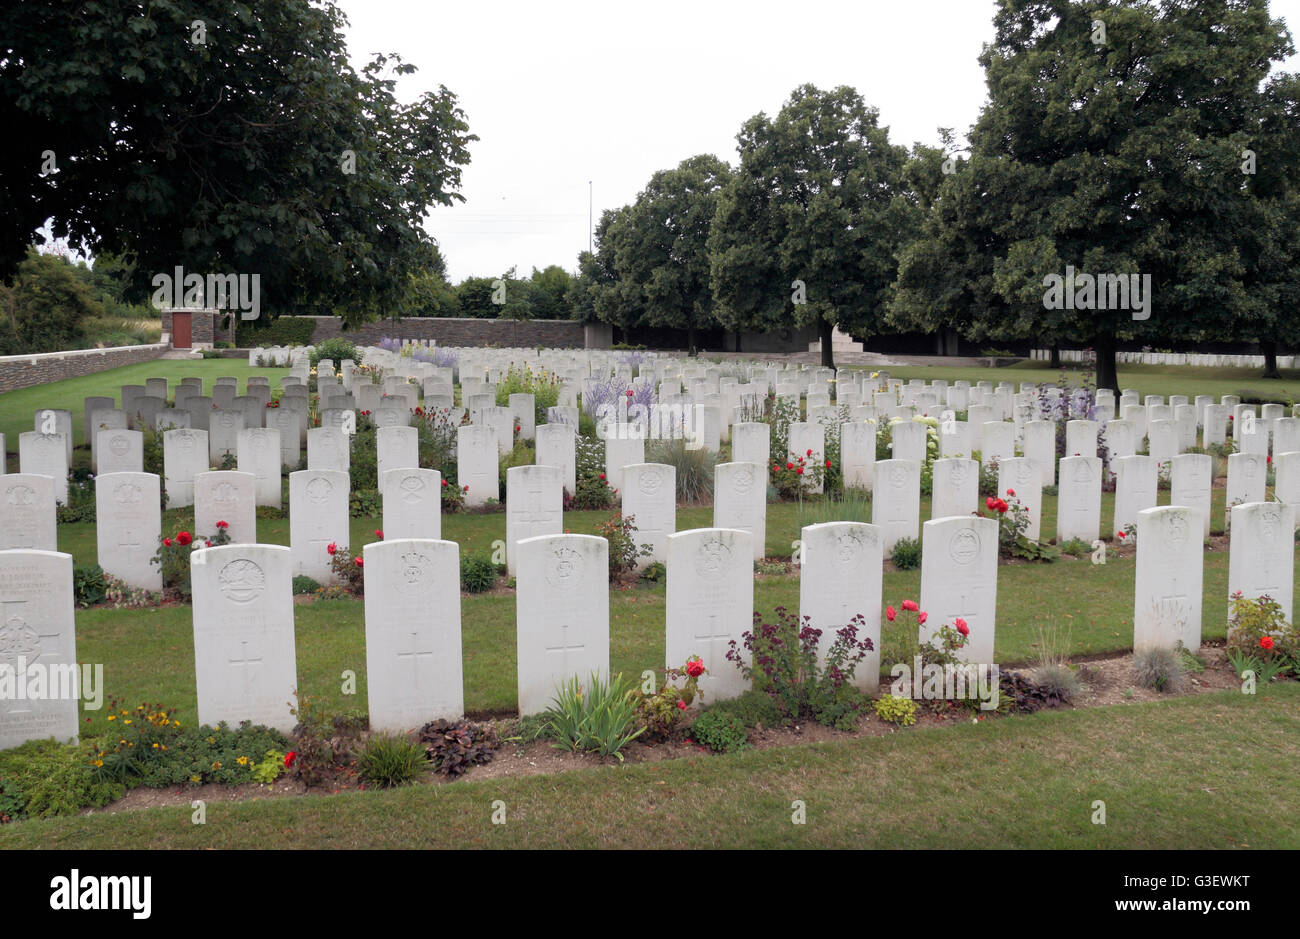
(1208, 771)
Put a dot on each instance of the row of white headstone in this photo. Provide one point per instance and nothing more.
(244, 628)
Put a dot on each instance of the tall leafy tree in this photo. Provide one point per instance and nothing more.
(662, 254)
(223, 137)
(808, 228)
(1113, 142)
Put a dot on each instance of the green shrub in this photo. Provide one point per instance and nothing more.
(598, 718)
(56, 779)
(304, 584)
(542, 385)
(624, 551)
(1058, 680)
(654, 572)
(753, 709)
(88, 585)
(13, 804)
(80, 506)
(720, 732)
(365, 503)
(1075, 547)
(279, 331)
(270, 769)
(477, 573)
(522, 453)
(389, 760)
(336, 349)
(694, 468)
(901, 711)
(907, 554)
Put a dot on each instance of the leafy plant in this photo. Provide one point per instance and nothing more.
(654, 572)
(720, 732)
(304, 584)
(599, 720)
(896, 710)
(324, 743)
(1075, 547)
(453, 747)
(783, 662)
(620, 532)
(659, 709)
(477, 573)
(88, 585)
(390, 760)
(906, 554)
(53, 779)
(336, 349)
(693, 468)
(270, 769)
(173, 556)
(1259, 627)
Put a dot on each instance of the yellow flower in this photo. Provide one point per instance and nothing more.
(128, 722)
(242, 761)
(155, 746)
(112, 717)
(99, 762)
(194, 779)
(216, 765)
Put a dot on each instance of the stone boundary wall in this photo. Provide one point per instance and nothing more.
(458, 331)
(27, 371)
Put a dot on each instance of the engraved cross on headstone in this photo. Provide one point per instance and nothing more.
(712, 637)
(564, 648)
(245, 662)
(416, 654)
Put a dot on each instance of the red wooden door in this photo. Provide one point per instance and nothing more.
(181, 330)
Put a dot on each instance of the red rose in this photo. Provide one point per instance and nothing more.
(799, 471)
(208, 543)
(1266, 642)
(223, 524)
(1119, 534)
(444, 482)
(379, 534)
(828, 464)
(516, 428)
(331, 547)
(290, 757)
(990, 503)
(910, 606)
(629, 392)
(1011, 492)
(922, 617)
(961, 626)
(890, 613)
(167, 542)
(465, 488)
(789, 466)
(681, 705)
(1002, 506)
(357, 560)
(183, 538)
(695, 669)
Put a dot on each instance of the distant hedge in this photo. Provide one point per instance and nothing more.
(281, 331)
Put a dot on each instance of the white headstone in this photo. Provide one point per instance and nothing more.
(534, 507)
(128, 525)
(226, 496)
(328, 448)
(751, 443)
(1135, 488)
(1247, 478)
(556, 446)
(258, 452)
(622, 448)
(896, 502)
(1168, 585)
(955, 489)
(562, 615)
(185, 455)
(244, 657)
(959, 578)
(39, 639)
(857, 454)
(412, 503)
(318, 516)
(650, 497)
(27, 514)
(476, 463)
(397, 448)
(740, 501)
(1190, 481)
(45, 455)
(710, 604)
(120, 451)
(1020, 478)
(1261, 558)
(414, 670)
(1078, 508)
(840, 577)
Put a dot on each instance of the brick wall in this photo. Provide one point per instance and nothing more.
(460, 331)
(27, 371)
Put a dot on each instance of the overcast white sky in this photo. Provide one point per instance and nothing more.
(562, 93)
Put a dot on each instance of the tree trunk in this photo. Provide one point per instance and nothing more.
(1056, 356)
(1107, 376)
(824, 331)
(1269, 348)
(690, 339)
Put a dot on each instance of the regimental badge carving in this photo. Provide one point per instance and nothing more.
(564, 569)
(650, 481)
(1176, 532)
(1082, 472)
(714, 559)
(898, 476)
(318, 490)
(412, 488)
(959, 472)
(20, 495)
(1269, 519)
(185, 442)
(242, 581)
(18, 638)
(743, 479)
(964, 547)
(128, 494)
(118, 445)
(848, 550)
(414, 566)
(225, 492)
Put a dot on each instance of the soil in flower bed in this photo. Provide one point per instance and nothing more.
(1108, 680)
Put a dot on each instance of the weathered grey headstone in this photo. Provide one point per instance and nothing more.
(45, 455)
